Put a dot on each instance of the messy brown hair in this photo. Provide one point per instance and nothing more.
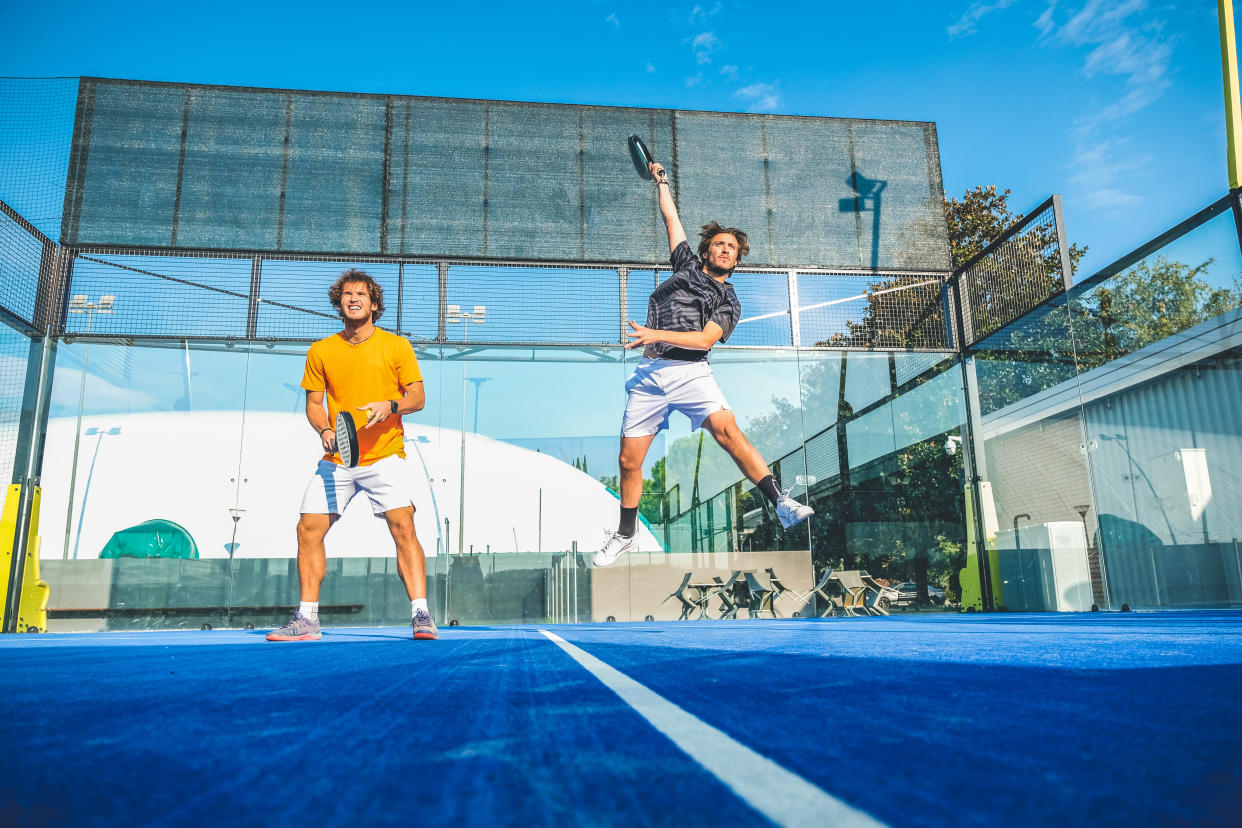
(710, 231)
(360, 277)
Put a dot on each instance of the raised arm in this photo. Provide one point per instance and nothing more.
(676, 235)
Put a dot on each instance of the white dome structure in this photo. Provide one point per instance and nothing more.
(235, 480)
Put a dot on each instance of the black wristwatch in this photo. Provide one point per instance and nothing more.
(392, 404)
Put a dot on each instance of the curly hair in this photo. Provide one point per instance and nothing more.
(359, 277)
(710, 231)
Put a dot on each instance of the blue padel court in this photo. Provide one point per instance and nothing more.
(1096, 719)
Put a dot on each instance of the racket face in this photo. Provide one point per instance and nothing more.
(641, 157)
(346, 439)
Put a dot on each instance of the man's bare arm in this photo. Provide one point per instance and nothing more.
(672, 222)
(413, 398)
(318, 418)
(695, 340)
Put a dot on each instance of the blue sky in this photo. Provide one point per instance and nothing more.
(1115, 104)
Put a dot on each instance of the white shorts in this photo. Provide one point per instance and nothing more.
(662, 386)
(386, 483)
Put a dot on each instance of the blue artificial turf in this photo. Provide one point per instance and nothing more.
(922, 720)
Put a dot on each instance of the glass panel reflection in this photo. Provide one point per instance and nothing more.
(886, 483)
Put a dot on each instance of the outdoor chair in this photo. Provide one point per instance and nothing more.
(728, 597)
(829, 591)
(854, 592)
(876, 603)
(758, 595)
(775, 590)
(687, 606)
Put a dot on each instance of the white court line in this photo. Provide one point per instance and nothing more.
(839, 301)
(780, 795)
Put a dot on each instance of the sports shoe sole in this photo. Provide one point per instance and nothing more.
(305, 637)
(426, 636)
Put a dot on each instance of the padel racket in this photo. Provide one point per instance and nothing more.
(641, 156)
(346, 439)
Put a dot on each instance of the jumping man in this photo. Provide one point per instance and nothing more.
(686, 316)
(374, 373)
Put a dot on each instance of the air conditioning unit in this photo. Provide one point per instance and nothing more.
(1043, 568)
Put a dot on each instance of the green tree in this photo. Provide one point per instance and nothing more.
(650, 505)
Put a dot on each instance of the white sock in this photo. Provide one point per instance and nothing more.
(419, 604)
(310, 609)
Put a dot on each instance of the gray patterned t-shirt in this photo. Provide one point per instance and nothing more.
(687, 301)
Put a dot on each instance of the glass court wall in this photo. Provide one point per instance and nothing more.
(877, 385)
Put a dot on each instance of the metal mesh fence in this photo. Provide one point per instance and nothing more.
(872, 311)
(202, 295)
(20, 262)
(14, 353)
(36, 130)
(159, 295)
(540, 304)
(1013, 275)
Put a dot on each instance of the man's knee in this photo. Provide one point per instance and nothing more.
(724, 428)
(632, 455)
(400, 523)
(312, 528)
(630, 462)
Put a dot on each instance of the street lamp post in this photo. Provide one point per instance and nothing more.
(479, 317)
(79, 303)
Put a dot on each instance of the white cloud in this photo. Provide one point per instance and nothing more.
(699, 15)
(1101, 169)
(694, 80)
(1127, 58)
(1044, 21)
(760, 97)
(612, 18)
(967, 24)
(703, 44)
(729, 71)
(1135, 51)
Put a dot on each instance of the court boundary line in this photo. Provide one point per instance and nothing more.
(774, 791)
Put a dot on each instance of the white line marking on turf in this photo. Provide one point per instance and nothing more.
(779, 794)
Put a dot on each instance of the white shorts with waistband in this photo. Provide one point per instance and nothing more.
(386, 483)
(659, 387)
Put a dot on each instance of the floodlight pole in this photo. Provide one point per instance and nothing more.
(80, 304)
(479, 316)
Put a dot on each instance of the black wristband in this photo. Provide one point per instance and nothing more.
(325, 428)
(392, 404)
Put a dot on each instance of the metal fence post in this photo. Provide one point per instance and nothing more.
(795, 322)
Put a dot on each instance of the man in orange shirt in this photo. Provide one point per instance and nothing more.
(373, 375)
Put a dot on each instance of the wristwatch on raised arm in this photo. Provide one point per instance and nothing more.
(392, 405)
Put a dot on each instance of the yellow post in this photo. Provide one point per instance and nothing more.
(32, 612)
(1233, 109)
(971, 577)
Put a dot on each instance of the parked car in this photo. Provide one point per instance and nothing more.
(908, 593)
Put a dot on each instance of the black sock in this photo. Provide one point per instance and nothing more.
(770, 487)
(629, 522)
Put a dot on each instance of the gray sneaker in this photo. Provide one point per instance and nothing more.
(299, 628)
(424, 627)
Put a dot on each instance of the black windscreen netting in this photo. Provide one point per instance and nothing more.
(159, 165)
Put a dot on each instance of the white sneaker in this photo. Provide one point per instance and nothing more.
(791, 512)
(616, 546)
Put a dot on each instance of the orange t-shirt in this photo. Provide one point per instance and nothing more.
(353, 375)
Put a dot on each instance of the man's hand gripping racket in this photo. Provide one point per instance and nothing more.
(647, 167)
